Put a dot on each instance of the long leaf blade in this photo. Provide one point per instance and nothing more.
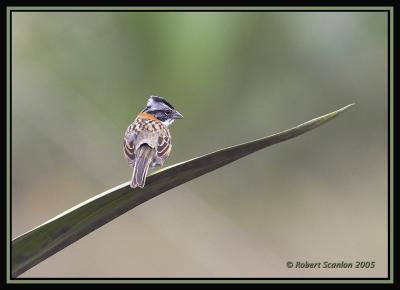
(47, 239)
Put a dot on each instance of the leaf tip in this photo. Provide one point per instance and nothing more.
(344, 108)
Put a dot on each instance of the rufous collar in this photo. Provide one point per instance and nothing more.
(145, 115)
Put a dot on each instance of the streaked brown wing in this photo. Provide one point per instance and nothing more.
(129, 140)
(164, 145)
(129, 150)
(142, 131)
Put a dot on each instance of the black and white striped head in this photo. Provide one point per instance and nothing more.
(162, 110)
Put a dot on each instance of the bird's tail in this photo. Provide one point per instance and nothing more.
(143, 158)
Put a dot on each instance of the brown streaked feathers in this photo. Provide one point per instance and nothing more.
(147, 143)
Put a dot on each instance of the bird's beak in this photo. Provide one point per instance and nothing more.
(177, 115)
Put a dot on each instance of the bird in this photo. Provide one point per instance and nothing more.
(147, 141)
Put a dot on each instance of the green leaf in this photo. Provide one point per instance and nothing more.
(47, 239)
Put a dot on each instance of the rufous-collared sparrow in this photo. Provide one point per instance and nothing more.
(147, 141)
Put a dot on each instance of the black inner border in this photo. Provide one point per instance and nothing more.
(205, 10)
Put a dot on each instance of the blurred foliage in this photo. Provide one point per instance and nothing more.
(79, 79)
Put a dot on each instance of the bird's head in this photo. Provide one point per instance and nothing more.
(162, 110)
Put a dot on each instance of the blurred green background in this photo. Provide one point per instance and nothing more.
(79, 79)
